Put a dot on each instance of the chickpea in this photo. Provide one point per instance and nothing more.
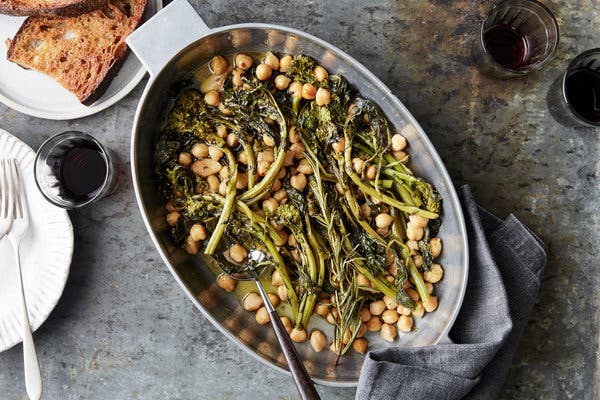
(274, 299)
(206, 167)
(292, 240)
(365, 210)
(374, 324)
(320, 73)
(365, 314)
(224, 172)
(418, 260)
(304, 167)
(262, 316)
(390, 303)
(413, 233)
(280, 195)
(223, 188)
(215, 153)
(242, 181)
(429, 287)
(289, 158)
(419, 311)
(318, 341)
(213, 183)
(339, 146)
(173, 218)
(226, 282)
(360, 345)
(389, 316)
(295, 89)
(333, 315)
(298, 182)
(268, 140)
(221, 132)
(296, 254)
(398, 142)
(243, 157)
(270, 205)
(287, 324)
(218, 65)
(322, 97)
(435, 247)
(232, 140)
(282, 293)
(184, 159)
(236, 77)
(435, 274)
(198, 232)
(252, 301)
(431, 304)
(400, 156)
(403, 310)
(284, 63)
(393, 269)
(282, 82)
(417, 221)
(298, 335)
(243, 61)
(383, 232)
(212, 98)
(200, 150)
(388, 332)
(413, 246)
(276, 279)
(272, 61)
(298, 149)
(371, 173)
(383, 220)
(224, 110)
(283, 237)
(362, 330)
(334, 347)
(266, 155)
(377, 307)
(293, 135)
(405, 323)
(191, 246)
(390, 278)
(340, 188)
(362, 280)
(238, 253)
(322, 309)
(309, 92)
(263, 72)
(262, 168)
(170, 207)
(413, 294)
(358, 165)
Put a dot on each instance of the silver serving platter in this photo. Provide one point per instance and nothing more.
(174, 43)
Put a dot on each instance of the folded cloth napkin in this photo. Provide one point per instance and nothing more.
(506, 264)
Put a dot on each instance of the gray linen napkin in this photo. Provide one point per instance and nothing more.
(506, 264)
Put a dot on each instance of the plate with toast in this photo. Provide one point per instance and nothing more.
(67, 59)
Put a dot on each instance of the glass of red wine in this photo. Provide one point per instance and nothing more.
(574, 98)
(72, 170)
(517, 37)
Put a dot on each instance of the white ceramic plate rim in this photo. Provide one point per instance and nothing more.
(100, 105)
(50, 303)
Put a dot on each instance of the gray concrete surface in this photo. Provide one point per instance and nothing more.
(123, 328)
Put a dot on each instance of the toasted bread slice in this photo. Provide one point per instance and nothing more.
(81, 53)
(65, 8)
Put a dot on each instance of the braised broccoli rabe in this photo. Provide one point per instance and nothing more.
(278, 155)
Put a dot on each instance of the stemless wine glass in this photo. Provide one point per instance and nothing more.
(72, 170)
(517, 37)
(574, 98)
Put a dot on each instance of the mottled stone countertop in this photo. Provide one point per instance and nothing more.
(124, 329)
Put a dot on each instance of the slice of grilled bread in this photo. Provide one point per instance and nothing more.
(65, 8)
(82, 53)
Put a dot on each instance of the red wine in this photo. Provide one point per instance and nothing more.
(582, 89)
(82, 171)
(507, 46)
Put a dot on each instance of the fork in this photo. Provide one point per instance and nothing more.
(6, 204)
(20, 225)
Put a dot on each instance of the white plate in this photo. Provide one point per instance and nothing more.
(46, 253)
(36, 94)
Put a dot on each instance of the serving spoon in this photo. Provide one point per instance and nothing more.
(304, 384)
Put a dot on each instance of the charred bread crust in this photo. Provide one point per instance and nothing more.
(63, 10)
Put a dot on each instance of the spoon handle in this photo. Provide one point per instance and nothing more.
(304, 384)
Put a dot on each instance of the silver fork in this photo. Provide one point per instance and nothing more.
(6, 203)
(20, 226)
